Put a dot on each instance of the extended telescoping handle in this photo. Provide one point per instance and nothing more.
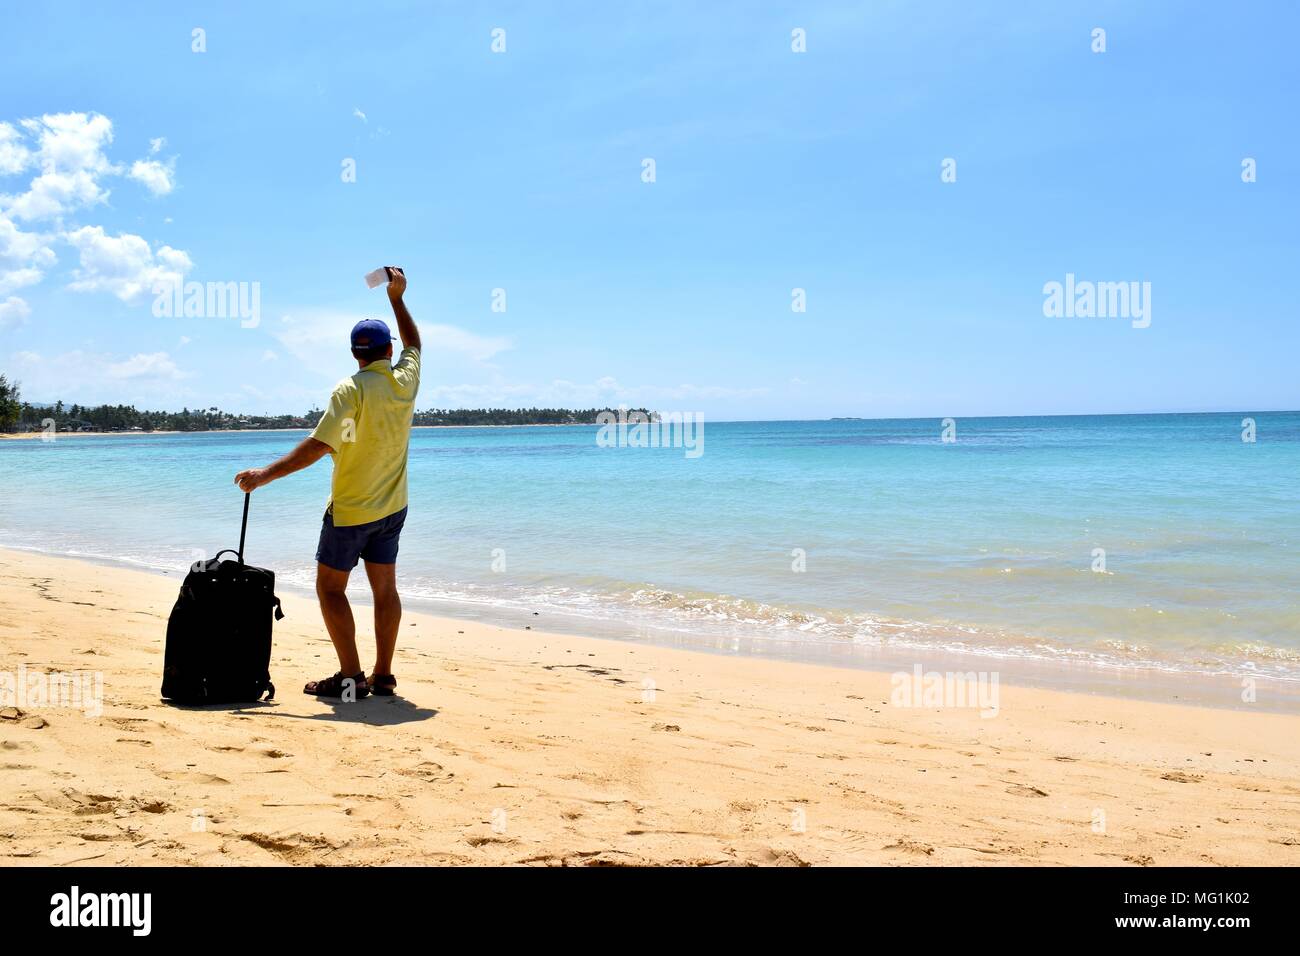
(243, 526)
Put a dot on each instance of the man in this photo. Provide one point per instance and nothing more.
(366, 429)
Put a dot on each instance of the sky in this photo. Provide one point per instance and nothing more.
(795, 146)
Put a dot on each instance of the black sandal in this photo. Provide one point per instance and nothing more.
(383, 685)
(336, 686)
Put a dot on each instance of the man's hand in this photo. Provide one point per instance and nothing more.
(308, 452)
(251, 478)
(396, 283)
(405, 324)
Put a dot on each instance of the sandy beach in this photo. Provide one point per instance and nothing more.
(526, 747)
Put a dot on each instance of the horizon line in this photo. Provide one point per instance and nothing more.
(738, 421)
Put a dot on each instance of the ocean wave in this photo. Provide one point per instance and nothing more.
(709, 616)
(610, 608)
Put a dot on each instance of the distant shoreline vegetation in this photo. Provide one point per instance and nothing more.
(17, 415)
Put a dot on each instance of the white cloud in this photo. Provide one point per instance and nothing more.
(269, 356)
(23, 256)
(319, 340)
(50, 195)
(13, 313)
(158, 178)
(563, 393)
(477, 396)
(153, 365)
(14, 154)
(17, 245)
(70, 142)
(123, 265)
(14, 279)
(608, 389)
(68, 152)
(70, 156)
(90, 377)
(449, 338)
(359, 115)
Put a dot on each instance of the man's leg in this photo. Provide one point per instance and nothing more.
(331, 588)
(388, 613)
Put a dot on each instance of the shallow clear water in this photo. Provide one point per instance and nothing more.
(986, 544)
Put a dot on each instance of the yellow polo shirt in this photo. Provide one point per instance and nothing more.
(368, 428)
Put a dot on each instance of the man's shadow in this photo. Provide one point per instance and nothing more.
(376, 710)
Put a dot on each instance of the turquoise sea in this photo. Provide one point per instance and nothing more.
(848, 541)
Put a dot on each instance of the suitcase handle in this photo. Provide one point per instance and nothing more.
(243, 526)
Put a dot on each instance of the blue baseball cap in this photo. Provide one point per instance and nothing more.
(369, 334)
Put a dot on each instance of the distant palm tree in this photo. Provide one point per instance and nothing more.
(10, 406)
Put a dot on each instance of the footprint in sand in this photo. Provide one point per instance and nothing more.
(477, 841)
(911, 846)
(190, 776)
(135, 725)
(1020, 790)
(98, 804)
(426, 770)
(775, 857)
(22, 719)
(295, 847)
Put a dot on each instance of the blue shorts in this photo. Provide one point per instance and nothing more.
(374, 541)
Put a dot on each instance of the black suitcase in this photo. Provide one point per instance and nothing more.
(219, 632)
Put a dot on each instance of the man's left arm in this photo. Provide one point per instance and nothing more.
(308, 452)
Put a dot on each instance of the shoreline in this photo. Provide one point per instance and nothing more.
(18, 436)
(537, 748)
(1141, 682)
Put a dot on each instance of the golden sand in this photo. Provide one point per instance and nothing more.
(523, 747)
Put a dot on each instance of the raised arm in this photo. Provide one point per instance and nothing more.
(308, 452)
(405, 324)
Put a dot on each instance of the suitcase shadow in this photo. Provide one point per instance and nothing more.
(378, 711)
(232, 707)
